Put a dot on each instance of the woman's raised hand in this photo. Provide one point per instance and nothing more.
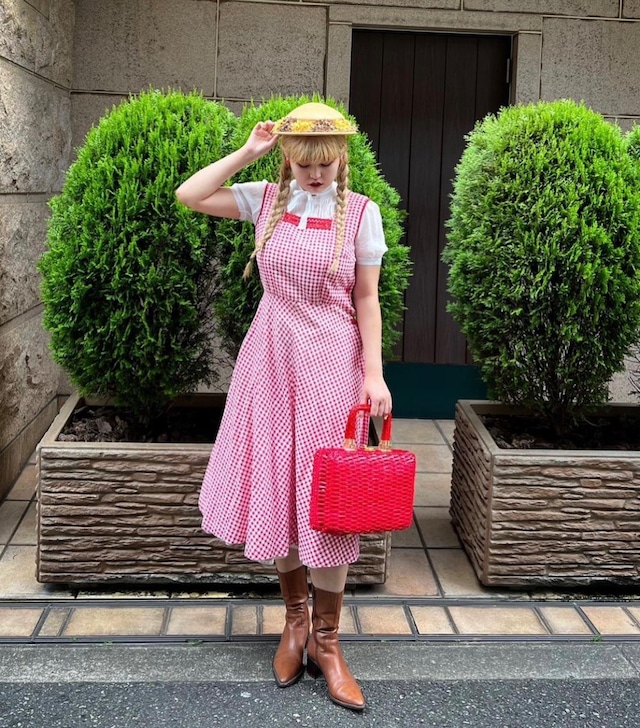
(261, 140)
(204, 191)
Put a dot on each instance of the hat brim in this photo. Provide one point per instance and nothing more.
(314, 133)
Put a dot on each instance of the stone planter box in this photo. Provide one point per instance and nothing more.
(529, 517)
(128, 513)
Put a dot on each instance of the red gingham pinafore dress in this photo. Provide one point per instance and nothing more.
(299, 371)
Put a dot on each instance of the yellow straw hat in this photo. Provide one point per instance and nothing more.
(314, 119)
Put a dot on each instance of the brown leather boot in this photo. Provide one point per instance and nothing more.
(324, 656)
(288, 665)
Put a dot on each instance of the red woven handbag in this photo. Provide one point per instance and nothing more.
(362, 489)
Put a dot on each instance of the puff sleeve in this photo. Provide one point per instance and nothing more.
(370, 242)
(248, 197)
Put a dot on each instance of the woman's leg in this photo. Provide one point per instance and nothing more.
(330, 579)
(288, 663)
(289, 562)
(324, 655)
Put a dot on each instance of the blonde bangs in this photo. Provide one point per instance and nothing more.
(313, 149)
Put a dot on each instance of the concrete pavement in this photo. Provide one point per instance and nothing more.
(445, 686)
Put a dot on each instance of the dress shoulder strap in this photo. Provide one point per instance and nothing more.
(268, 199)
(270, 193)
(356, 204)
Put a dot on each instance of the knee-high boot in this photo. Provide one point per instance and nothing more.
(288, 664)
(324, 655)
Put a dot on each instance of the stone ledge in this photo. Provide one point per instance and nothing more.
(101, 519)
(549, 517)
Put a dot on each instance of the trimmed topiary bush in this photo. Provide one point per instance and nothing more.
(127, 276)
(633, 143)
(544, 249)
(238, 298)
(633, 147)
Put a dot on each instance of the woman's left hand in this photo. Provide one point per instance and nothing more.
(376, 393)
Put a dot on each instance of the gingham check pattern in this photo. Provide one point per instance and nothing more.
(298, 373)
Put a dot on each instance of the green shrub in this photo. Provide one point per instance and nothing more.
(238, 298)
(633, 147)
(633, 143)
(127, 276)
(544, 248)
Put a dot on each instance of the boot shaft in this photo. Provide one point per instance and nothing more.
(288, 665)
(327, 607)
(295, 594)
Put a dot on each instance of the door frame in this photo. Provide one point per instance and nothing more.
(446, 382)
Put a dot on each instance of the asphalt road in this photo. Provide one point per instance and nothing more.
(406, 684)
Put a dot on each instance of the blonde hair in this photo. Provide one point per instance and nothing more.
(308, 150)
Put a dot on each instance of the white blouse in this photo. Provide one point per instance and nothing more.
(370, 243)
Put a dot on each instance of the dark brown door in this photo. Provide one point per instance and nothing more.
(416, 95)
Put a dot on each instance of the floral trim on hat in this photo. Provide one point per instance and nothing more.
(289, 125)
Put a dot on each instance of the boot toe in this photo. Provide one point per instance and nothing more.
(287, 669)
(287, 672)
(349, 699)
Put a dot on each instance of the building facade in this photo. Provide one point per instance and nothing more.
(400, 66)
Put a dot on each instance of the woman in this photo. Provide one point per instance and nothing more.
(313, 351)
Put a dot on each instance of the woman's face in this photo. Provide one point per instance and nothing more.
(315, 178)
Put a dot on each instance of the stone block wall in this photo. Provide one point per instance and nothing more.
(35, 149)
(243, 50)
(63, 63)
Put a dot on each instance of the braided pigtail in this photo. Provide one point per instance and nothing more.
(342, 192)
(277, 212)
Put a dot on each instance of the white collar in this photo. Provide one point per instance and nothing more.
(296, 190)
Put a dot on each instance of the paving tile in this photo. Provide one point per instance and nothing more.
(383, 620)
(54, 622)
(497, 620)
(347, 620)
(26, 533)
(455, 573)
(432, 489)
(18, 576)
(611, 620)
(197, 621)
(432, 458)
(635, 613)
(25, 486)
(10, 514)
(18, 622)
(435, 526)
(410, 574)
(564, 620)
(273, 618)
(447, 427)
(432, 620)
(111, 621)
(419, 432)
(244, 620)
(409, 538)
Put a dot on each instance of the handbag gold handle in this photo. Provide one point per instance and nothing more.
(350, 430)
